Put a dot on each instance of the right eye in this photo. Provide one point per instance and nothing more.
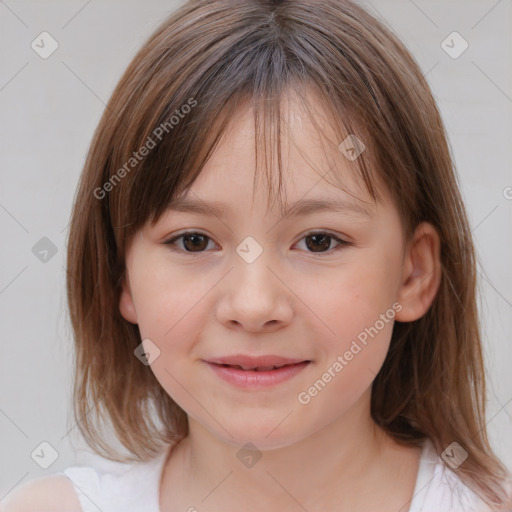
(190, 241)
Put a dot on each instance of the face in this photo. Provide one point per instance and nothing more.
(316, 291)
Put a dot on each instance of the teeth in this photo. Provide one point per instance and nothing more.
(258, 369)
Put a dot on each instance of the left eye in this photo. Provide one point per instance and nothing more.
(191, 241)
(194, 242)
(318, 241)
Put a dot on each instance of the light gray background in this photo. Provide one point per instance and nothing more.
(49, 109)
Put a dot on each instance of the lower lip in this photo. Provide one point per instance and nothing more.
(256, 379)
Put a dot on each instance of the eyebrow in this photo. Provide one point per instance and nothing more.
(299, 208)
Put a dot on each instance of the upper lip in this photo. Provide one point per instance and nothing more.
(249, 362)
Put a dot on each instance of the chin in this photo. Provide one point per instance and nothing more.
(269, 435)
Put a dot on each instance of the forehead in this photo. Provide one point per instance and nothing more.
(311, 167)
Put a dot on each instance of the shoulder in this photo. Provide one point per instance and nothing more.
(47, 494)
(104, 485)
(441, 489)
(464, 498)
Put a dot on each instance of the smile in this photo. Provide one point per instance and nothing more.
(251, 376)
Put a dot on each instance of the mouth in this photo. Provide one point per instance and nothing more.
(255, 368)
(246, 371)
(256, 363)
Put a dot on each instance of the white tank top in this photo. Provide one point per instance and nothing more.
(135, 487)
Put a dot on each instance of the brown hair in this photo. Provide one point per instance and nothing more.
(176, 99)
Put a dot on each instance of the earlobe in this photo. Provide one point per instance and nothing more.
(126, 306)
(421, 273)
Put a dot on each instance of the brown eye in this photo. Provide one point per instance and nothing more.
(195, 243)
(321, 242)
(191, 242)
(318, 242)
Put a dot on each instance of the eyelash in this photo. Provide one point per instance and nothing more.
(171, 242)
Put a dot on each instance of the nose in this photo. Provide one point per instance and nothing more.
(254, 297)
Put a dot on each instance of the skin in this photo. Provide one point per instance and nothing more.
(292, 302)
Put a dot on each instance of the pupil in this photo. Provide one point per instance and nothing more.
(195, 244)
(323, 238)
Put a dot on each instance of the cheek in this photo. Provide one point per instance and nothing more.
(355, 311)
(165, 298)
(362, 321)
(353, 297)
(171, 311)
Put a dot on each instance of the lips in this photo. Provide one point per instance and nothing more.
(254, 369)
(262, 373)
(263, 363)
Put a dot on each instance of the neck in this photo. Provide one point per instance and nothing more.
(331, 466)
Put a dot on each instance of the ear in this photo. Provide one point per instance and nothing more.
(421, 273)
(126, 305)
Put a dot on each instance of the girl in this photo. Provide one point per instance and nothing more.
(305, 341)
